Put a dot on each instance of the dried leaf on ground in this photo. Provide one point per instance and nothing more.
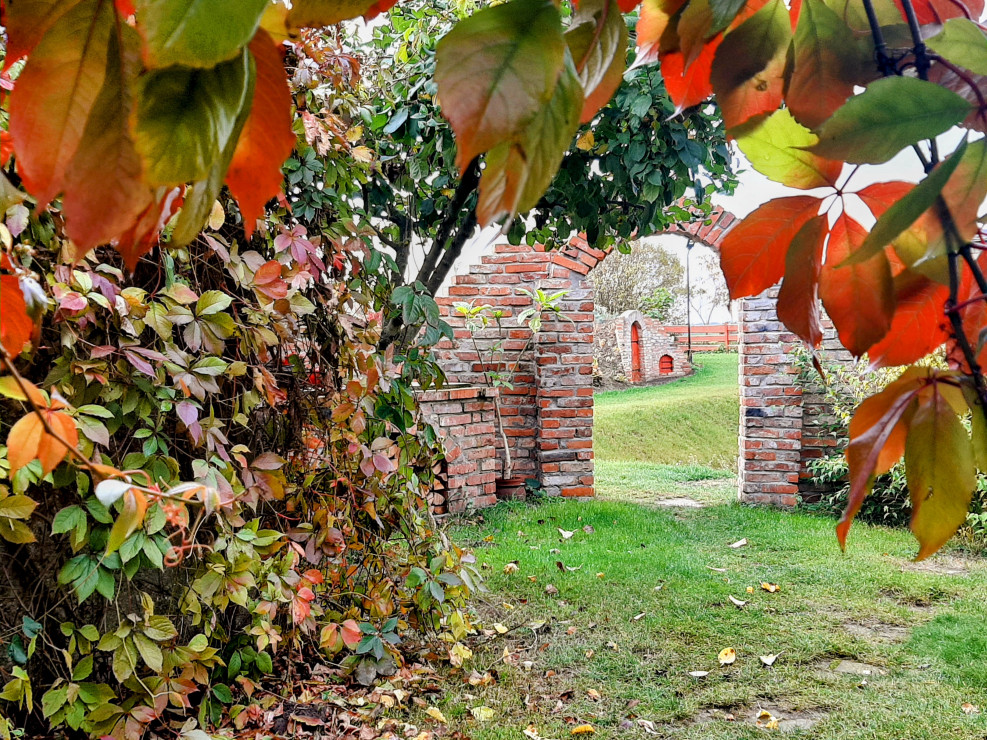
(566, 534)
(593, 694)
(699, 674)
(736, 602)
(771, 587)
(583, 730)
(769, 660)
(436, 714)
(969, 708)
(551, 590)
(482, 714)
(588, 529)
(739, 543)
(727, 656)
(511, 567)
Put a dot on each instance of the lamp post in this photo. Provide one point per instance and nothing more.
(688, 299)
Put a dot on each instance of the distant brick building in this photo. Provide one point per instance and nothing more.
(632, 348)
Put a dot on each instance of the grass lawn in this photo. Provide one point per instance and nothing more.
(693, 420)
(649, 602)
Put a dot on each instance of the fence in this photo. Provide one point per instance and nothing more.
(706, 338)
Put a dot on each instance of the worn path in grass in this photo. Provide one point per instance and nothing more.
(672, 440)
(643, 599)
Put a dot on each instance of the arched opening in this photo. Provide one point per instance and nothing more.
(636, 374)
(666, 365)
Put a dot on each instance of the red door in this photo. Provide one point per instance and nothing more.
(635, 352)
(666, 365)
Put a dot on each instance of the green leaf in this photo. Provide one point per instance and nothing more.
(105, 583)
(186, 118)
(149, 652)
(17, 507)
(963, 43)
(495, 70)
(778, 150)
(907, 210)
(54, 699)
(940, 473)
(891, 114)
(124, 660)
(196, 33)
(724, 11)
(222, 692)
(15, 531)
(83, 669)
(212, 301)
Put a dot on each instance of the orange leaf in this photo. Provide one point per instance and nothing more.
(15, 325)
(877, 439)
(879, 197)
(752, 255)
(26, 23)
(142, 236)
(798, 299)
(254, 175)
(919, 325)
(351, 633)
(937, 11)
(268, 280)
(859, 298)
(56, 92)
(29, 440)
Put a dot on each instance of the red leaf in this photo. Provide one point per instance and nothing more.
(919, 325)
(16, 326)
(6, 147)
(141, 238)
(859, 298)
(351, 633)
(254, 175)
(877, 439)
(268, 280)
(688, 87)
(798, 299)
(26, 23)
(752, 255)
(55, 93)
(936, 11)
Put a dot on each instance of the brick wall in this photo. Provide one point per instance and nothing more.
(465, 420)
(548, 414)
(782, 421)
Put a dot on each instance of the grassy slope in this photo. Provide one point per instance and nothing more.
(593, 641)
(694, 420)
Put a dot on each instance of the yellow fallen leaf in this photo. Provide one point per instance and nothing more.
(969, 708)
(501, 629)
(435, 714)
(482, 714)
(727, 656)
(511, 568)
(507, 606)
(458, 653)
(593, 694)
(488, 538)
(600, 575)
(771, 587)
(532, 578)
(583, 730)
(750, 589)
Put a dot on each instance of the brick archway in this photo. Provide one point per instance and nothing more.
(548, 414)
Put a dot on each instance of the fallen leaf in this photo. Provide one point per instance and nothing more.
(507, 606)
(612, 645)
(572, 630)
(727, 656)
(969, 708)
(482, 714)
(566, 534)
(769, 660)
(588, 529)
(555, 551)
(435, 714)
(771, 587)
(699, 674)
(593, 694)
(567, 568)
(537, 624)
(736, 602)
(479, 679)
(532, 578)
(739, 543)
(600, 575)
(718, 570)
(767, 720)
(648, 726)
(583, 730)
(750, 589)
(638, 617)
(501, 629)
(590, 653)
(511, 568)
(551, 590)
(488, 538)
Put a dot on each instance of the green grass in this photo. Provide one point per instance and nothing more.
(659, 611)
(693, 420)
(621, 480)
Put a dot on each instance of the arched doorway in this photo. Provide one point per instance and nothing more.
(666, 365)
(636, 374)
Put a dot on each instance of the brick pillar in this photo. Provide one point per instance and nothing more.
(783, 419)
(770, 406)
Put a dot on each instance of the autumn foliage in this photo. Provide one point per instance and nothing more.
(195, 390)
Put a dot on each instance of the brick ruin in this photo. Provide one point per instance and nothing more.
(548, 413)
(632, 348)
